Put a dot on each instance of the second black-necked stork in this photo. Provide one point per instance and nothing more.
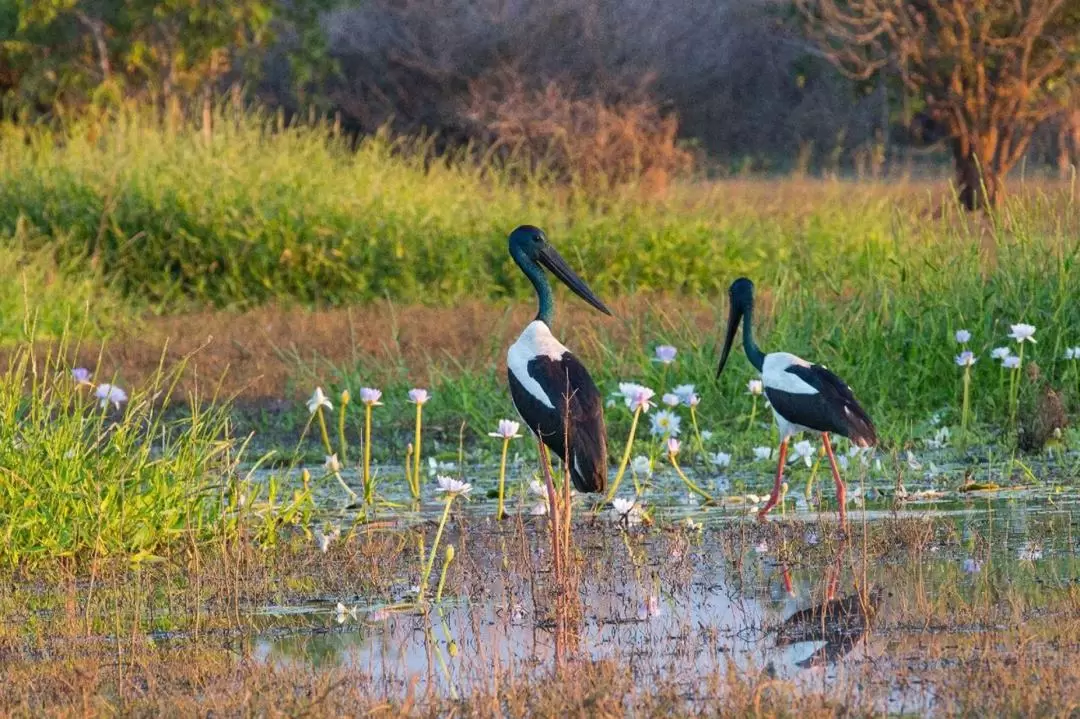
(551, 389)
(804, 396)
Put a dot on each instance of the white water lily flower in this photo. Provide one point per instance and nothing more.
(318, 399)
(755, 387)
(539, 509)
(627, 509)
(720, 459)
(692, 526)
(1029, 552)
(665, 354)
(665, 423)
(913, 463)
(641, 465)
(972, 566)
(323, 540)
(843, 461)
(962, 336)
(673, 445)
(637, 396)
(1072, 353)
(332, 464)
(671, 399)
(419, 396)
(804, 451)
(107, 393)
(1000, 353)
(370, 396)
(508, 429)
(706, 435)
(965, 359)
(81, 376)
(941, 438)
(453, 487)
(762, 454)
(342, 613)
(685, 392)
(1022, 332)
(1011, 362)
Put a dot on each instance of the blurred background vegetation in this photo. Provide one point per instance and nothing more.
(734, 85)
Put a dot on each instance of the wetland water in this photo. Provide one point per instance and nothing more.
(674, 603)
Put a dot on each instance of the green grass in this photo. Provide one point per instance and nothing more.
(858, 277)
(80, 480)
(41, 296)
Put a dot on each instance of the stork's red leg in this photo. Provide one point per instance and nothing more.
(841, 492)
(775, 496)
(553, 509)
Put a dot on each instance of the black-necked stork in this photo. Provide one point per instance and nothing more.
(804, 396)
(551, 389)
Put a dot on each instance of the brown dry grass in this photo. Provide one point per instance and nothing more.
(593, 144)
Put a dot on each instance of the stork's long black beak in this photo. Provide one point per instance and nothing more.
(551, 259)
(732, 327)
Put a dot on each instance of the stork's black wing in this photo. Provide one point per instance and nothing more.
(574, 395)
(832, 409)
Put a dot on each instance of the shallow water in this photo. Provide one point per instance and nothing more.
(674, 604)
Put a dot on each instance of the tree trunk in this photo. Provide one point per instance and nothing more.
(978, 185)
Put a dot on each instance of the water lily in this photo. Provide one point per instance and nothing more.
(941, 438)
(671, 399)
(1072, 353)
(665, 424)
(804, 451)
(107, 393)
(650, 608)
(453, 487)
(342, 613)
(642, 465)
(1029, 552)
(692, 526)
(1010, 362)
(81, 376)
(672, 446)
(323, 540)
(417, 395)
(626, 509)
(762, 454)
(965, 359)
(665, 354)
(638, 397)
(685, 393)
(332, 464)
(1022, 333)
(1000, 353)
(370, 396)
(844, 462)
(972, 566)
(318, 399)
(720, 459)
(963, 336)
(508, 429)
(706, 434)
(755, 387)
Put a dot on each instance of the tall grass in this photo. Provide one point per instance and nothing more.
(80, 480)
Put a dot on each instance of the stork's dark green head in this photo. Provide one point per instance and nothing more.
(741, 294)
(531, 250)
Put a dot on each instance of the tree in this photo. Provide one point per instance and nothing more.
(986, 69)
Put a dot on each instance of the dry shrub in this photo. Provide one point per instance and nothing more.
(583, 140)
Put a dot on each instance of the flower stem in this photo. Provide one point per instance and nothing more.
(753, 411)
(686, 480)
(341, 431)
(414, 482)
(965, 410)
(697, 434)
(434, 549)
(322, 429)
(626, 456)
(1014, 388)
(369, 490)
(445, 567)
(502, 477)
